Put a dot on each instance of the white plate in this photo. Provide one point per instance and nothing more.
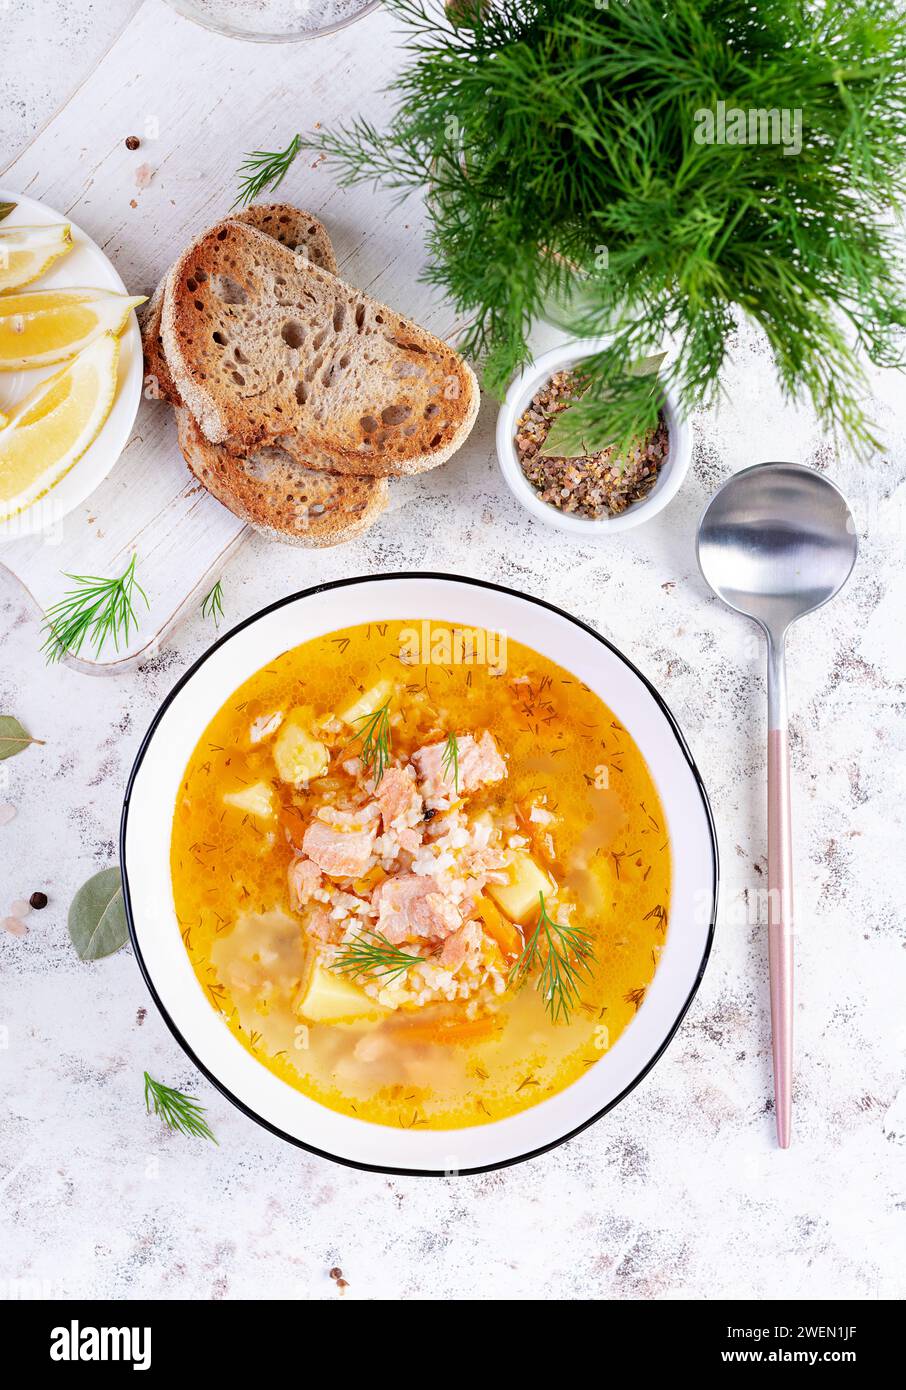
(145, 859)
(84, 265)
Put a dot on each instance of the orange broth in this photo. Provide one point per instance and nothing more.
(604, 842)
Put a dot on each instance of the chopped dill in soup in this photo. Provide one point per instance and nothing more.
(422, 873)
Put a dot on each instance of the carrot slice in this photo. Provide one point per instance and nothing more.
(371, 880)
(451, 1031)
(499, 929)
(293, 824)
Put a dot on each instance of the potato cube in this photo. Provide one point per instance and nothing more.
(257, 800)
(326, 997)
(299, 757)
(367, 703)
(519, 899)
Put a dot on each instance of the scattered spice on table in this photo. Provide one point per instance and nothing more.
(38, 900)
(590, 485)
(132, 142)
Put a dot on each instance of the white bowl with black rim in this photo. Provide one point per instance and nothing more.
(670, 475)
(145, 858)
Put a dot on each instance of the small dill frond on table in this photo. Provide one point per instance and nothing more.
(96, 609)
(263, 169)
(370, 953)
(450, 760)
(375, 736)
(178, 1111)
(564, 955)
(212, 607)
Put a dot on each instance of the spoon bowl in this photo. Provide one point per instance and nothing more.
(776, 542)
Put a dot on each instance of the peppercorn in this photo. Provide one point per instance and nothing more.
(38, 900)
(132, 142)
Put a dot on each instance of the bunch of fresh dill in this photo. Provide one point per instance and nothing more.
(565, 153)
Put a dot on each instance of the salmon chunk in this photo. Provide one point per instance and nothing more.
(319, 925)
(412, 908)
(304, 881)
(458, 945)
(341, 843)
(479, 763)
(398, 797)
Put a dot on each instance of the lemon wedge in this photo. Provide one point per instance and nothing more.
(52, 427)
(26, 252)
(41, 327)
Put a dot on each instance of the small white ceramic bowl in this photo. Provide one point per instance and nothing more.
(155, 931)
(518, 397)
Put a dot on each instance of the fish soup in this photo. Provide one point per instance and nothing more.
(422, 875)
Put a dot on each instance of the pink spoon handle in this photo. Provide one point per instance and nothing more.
(780, 892)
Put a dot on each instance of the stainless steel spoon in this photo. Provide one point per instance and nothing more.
(776, 542)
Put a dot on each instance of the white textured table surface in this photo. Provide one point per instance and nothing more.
(679, 1192)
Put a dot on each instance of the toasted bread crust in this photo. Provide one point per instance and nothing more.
(280, 497)
(292, 227)
(261, 346)
(159, 384)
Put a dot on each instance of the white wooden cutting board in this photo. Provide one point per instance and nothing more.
(198, 102)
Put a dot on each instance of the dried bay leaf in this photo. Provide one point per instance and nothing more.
(13, 737)
(97, 916)
(647, 366)
(563, 439)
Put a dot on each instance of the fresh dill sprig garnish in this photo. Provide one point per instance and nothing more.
(569, 173)
(97, 609)
(264, 169)
(374, 956)
(178, 1111)
(564, 954)
(212, 607)
(375, 736)
(450, 759)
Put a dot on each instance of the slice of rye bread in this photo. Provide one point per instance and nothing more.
(292, 227)
(158, 381)
(261, 347)
(277, 495)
